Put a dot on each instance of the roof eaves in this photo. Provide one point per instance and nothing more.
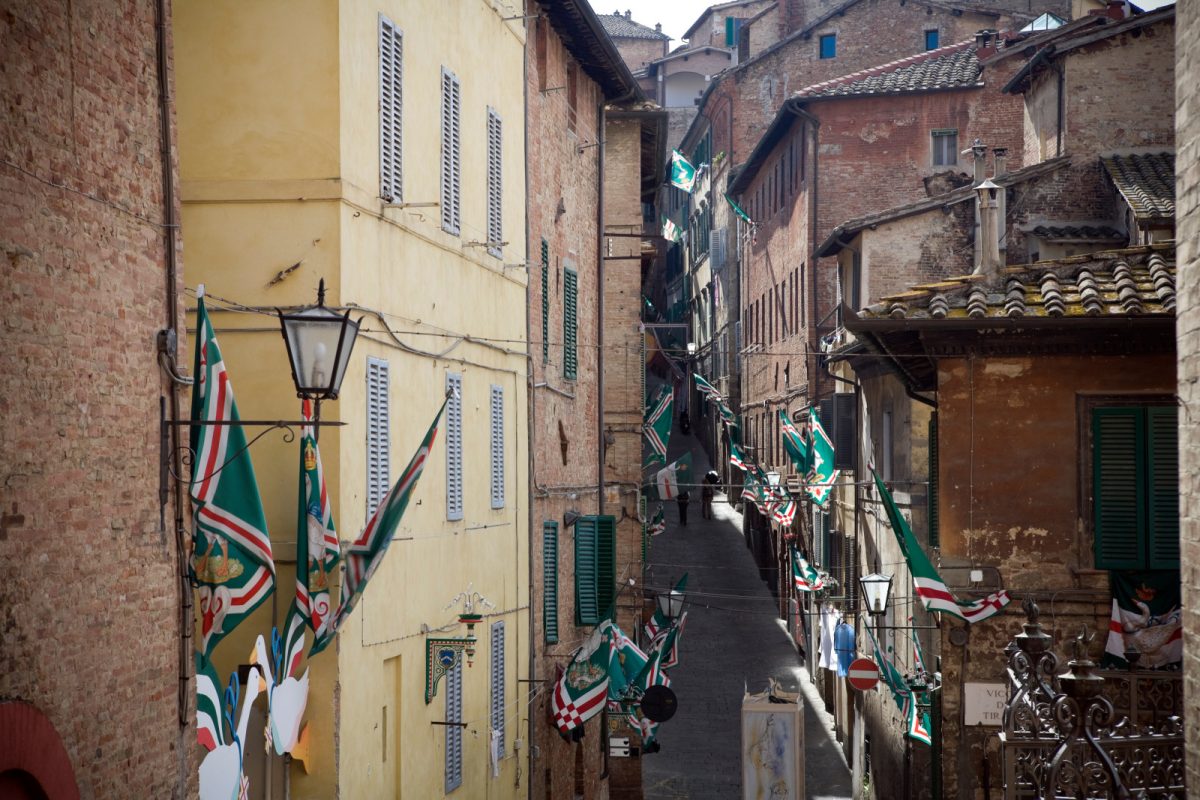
(585, 38)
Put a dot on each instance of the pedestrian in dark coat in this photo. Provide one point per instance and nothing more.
(683, 499)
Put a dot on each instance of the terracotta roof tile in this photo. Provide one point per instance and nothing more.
(953, 67)
(1136, 281)
(1146, 181)
(618, 26)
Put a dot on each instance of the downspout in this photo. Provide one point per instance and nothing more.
(1058, 143)
(600, 241)
(530, 427)
(168, 348)
(813, 202)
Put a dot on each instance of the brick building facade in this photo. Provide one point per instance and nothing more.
(1187, 195)
(95, 654)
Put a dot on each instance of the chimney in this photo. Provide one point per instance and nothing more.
(979, 153)
(628, 14)
(989, 229)
(1116, 10)
(658, 27)
(1000, 154)
(986, 42)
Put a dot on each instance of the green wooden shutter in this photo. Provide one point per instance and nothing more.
(570, 298)
(606, 563)
(934, 532)
(587, 611)
(545, 301)
(550, 580)
(1162, 489)
(1118, 434)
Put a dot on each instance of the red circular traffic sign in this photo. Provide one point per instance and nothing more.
(863, 674)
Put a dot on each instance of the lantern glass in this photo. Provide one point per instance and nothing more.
(670, 604)
(319, 342)
(876, 588)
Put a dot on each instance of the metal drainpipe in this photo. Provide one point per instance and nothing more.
(172, 307)
(530, 402)
(600, 240)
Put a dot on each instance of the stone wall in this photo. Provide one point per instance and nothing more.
(1187, 197)
(89, 600)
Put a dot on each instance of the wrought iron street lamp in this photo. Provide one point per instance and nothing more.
(670, 604)
(876, 588)
(319, 342)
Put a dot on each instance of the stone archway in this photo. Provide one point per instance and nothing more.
(33, 761)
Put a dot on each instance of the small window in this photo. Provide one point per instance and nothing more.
(945, 148)
(497, 446)
(454, 458)
(379, 437)
(550, 580)
(495, 186)
(829, 45)
(497, 677)
(545, 301)
(572, 95)
(931, 40)
(391, 105)
(451, 161)
(454, 737)
(595, 568)
(570, 298)
(733, 26)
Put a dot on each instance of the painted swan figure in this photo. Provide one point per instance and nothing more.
(287, 699)
(221, 769)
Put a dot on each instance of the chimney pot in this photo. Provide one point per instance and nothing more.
(979, 154)
(986, 42)
(1001, 156)
(658, 27)
(628, 14)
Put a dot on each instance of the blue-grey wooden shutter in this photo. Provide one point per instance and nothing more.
(1117, 494)
(497, 677)
(587, 611)
(495, 185)
(391, 106)
(451, 176)
(454, 448)
(497, 446)
(1162, 489)
(378, 434)
(545, 300)
(550, 580)
(454, 737)
(570, 322)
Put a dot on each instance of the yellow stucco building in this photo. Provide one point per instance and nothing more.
(378, 145)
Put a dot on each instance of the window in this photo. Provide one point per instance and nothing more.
(451, 154)
(454, 460)
(1135, 486)
(379, 438)
(733, 26)
(572, 94)
(945, 148)
(391, 52)
(497, 677)
(545, 301)
(570, 298)
(828, 45)
(550, 580)
(595, 568)
(454, 748)
(495, 186)
(497, 446)
(931, 40)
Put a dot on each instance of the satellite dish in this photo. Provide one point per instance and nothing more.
(659, 703)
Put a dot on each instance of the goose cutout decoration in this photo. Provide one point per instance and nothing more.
(287, 696)
(221, 775)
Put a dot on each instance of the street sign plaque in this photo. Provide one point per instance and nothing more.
(863, 674)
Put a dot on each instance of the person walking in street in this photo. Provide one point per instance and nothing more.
(706, 498)
(683, 498)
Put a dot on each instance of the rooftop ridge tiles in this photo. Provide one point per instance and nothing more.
(883, 69)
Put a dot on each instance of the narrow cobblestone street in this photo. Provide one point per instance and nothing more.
(733, 642)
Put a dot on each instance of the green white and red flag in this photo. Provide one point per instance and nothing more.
(683, 174)
(231, 559)
(737, 459)
(658, 524)
(916, 722)
(582, 689)
(658, 622)
(930, 588)
(665, 645)
(707, 389)
(367, 551)
(674, 478)
(794, 443)
(806, 577)
(626, 661)
(670, 231)
(317, 545)
(821, 474)
(210, 715)
(784, 512)
(657, 425)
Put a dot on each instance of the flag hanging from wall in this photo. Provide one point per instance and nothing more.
(581, 690)
(658, 622)
(657, 425)
(367, 551)
(930, 588)
(736, 458)
(821, 475)
(1147, 618)
(683, 174)
(916, 721)
(231, 559)
(674, 478)
(794, 443)
(317, 545)
(658, 524)
(805, 576)
(670, 231)
(738, 210)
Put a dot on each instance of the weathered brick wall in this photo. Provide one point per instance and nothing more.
(636, 53)
(563, 422)
(89, 603)
(1187, 197)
